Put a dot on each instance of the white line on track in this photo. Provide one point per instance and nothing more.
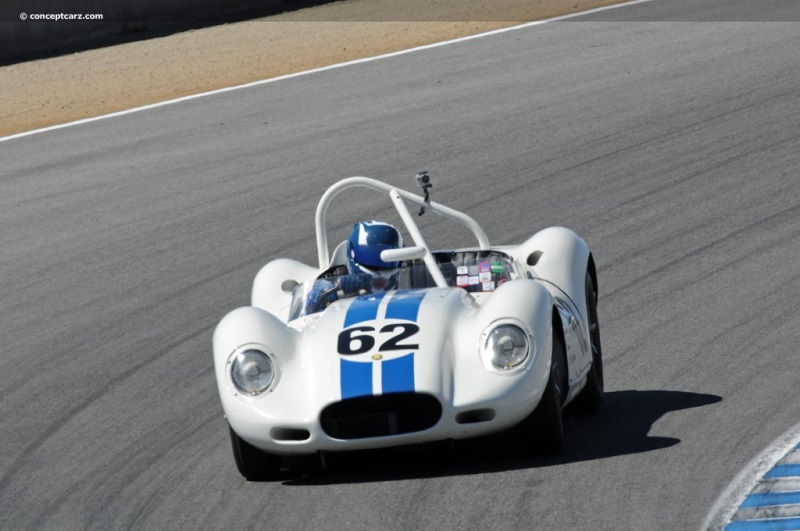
(314, 71)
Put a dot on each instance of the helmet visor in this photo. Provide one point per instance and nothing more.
(371, 256)
(369, 240)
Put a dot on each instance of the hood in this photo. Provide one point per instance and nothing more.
(389, 342)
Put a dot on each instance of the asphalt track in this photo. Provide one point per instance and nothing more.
(673, 148)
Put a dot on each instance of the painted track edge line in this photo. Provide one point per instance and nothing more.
(737, 490)
(313, 71)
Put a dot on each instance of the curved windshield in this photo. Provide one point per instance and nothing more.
(473, 271)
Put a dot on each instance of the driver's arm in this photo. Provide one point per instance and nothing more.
(355, 282)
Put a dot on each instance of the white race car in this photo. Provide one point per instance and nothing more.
(473, 341)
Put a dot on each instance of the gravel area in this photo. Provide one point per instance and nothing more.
(57, 90)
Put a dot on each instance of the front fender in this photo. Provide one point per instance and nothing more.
(523, 302)
(250, 326)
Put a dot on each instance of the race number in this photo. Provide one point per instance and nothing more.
(361, 339)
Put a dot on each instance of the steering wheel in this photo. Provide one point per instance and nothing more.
(322, 301)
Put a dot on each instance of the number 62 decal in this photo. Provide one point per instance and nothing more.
(361, 339)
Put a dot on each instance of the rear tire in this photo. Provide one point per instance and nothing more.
(543, 430)
(591, 396)
(252, 463)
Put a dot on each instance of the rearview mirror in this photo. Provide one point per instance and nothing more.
(288, 285)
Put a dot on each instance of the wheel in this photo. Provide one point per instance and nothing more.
(591, 396)
(543, 430)
(253, 464)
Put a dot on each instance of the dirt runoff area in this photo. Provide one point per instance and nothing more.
(57, 90)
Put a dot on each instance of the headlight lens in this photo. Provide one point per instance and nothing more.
(252, 371)
(507, 345)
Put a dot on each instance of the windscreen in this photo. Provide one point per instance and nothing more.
(475, 272)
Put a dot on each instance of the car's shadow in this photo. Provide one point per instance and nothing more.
(620, 427)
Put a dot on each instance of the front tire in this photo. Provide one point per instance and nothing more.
(252, 463)
(543, 430)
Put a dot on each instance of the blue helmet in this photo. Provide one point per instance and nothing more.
(367, 241)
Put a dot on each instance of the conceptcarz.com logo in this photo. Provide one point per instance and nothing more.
(61, 16)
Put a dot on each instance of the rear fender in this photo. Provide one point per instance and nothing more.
(558, 256)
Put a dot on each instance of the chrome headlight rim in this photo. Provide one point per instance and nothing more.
(258, 350)
(489, 354)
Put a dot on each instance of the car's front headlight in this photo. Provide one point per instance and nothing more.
(506, 345)
(252, 371)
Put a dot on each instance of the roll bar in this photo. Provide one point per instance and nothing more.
(399, 198)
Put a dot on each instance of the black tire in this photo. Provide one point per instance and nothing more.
(253, 464)
(543, 430)
(591, 396)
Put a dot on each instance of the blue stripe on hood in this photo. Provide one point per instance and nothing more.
(397, 375)
(363, 308)
(356, 378)
(405, 305)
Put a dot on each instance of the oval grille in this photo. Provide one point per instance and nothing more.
(380, 416)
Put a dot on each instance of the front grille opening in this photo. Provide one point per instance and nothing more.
(380, 416)
(290, 434)
(475, 415)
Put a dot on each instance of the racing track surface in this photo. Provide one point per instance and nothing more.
(672, 147)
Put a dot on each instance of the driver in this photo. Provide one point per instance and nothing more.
(365, 270)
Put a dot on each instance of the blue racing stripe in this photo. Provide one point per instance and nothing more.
(784, 471)
(356, 378)
(405, 305)
(777, 524)
(397, 375)
(769, 499)
(363, 308)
